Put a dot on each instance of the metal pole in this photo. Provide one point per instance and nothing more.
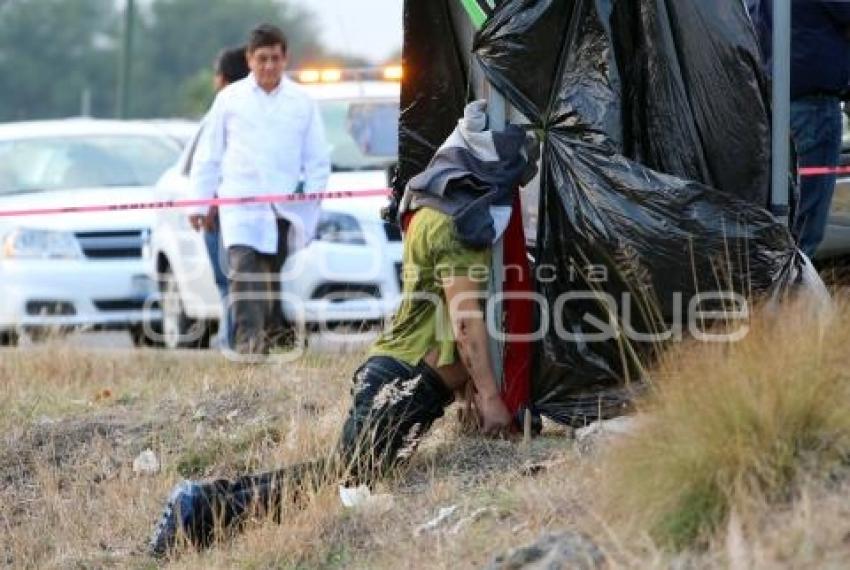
(122, 104)
(781, 105)
(497, 116)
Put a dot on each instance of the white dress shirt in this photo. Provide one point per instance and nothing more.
(256, 143)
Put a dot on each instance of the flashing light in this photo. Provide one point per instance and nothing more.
(309, 76)
(393, 73)
(331, 75)
(335, 75)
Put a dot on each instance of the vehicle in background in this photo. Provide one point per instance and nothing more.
(59, 272)
(350, 273)
(182, 131)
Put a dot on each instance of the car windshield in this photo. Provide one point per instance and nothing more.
(363, 134)
(97, 161)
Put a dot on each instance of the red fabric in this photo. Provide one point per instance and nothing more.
(518, 314)
(406, 218)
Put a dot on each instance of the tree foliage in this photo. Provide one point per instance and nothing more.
(180, 38)
(51, 52)
(54, 51)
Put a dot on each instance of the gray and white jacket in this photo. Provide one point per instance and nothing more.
(473, 176)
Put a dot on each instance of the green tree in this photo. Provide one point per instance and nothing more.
(178, 39)
(54, 52)
(51, 53)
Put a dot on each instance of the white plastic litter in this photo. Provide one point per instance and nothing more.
(361, 498)
(444, 514)
(471, 519)
(354, 496)
(146, 463)
(604, 430)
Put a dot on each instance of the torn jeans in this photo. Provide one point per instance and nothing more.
(393, 407)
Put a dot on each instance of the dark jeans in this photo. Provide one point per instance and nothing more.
(255, 294)
(215, 248)
(393, 407)
(816, 128)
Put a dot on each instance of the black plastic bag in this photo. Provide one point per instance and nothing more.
(695, 99)
(652, 194)
(434, 90)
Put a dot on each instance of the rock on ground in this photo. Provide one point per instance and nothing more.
(561, 551)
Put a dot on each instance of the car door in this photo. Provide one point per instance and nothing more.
(181, 249)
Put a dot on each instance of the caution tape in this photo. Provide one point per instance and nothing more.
(174, 204)
(271, 199)
(824, 170)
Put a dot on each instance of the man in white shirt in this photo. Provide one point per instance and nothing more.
(230, 66)
(263, 136)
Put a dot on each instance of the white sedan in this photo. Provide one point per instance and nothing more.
(350, 272)
(81, 269)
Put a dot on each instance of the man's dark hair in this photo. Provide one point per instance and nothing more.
(231, 64)
(266, 35)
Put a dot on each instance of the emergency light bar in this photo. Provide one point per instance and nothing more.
(334, 75)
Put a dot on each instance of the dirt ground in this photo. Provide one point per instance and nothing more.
(74, 418)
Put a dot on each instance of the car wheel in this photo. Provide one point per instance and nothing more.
(9, 338)
(149, 336)
(178, 330)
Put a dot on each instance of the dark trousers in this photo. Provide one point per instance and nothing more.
(255, 294)
(393, 407)
(816, 128)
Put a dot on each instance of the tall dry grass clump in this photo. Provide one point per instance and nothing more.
(731, 427)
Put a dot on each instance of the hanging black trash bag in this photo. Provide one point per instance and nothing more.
(632, 258)
(651, 223)
(434, 89)
(695, 100)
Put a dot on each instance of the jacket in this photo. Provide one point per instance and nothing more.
(820, 44)
(473, 177)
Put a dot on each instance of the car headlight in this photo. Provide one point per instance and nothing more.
(40, 244)
(340, 228)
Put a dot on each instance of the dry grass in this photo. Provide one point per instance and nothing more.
(757, 431)
(74, 420)
(730, 428)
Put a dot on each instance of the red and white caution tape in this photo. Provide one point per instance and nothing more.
(272, 199)
(172, 204)
(823, 170)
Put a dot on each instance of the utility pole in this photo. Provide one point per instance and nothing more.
(781, 106)
(85, 102)
(122, 103)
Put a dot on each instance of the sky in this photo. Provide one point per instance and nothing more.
(369, 28)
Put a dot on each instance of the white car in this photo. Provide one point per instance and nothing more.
(80, 269)
(350, 272)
